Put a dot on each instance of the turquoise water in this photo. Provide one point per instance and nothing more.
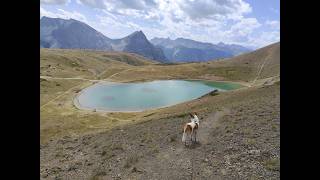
(144, 95)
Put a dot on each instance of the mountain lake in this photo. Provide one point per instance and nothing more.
(140, 96)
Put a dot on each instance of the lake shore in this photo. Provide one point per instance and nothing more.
(79, 106)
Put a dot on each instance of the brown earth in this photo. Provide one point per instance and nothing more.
(239, 139)
(239, 134)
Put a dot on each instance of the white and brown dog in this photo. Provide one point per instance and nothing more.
(190, 129)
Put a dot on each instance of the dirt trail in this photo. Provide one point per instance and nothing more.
(76, 78)
(180, 161)
(260, 70)
(207, 125)
(57, 97)
(108, 78)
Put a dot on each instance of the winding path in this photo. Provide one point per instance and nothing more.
(209, 123)
(77, 78)
(260, 69)
(59, 95)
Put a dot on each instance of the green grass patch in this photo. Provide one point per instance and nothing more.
(220, 85)
(243, 73)
(273, 164)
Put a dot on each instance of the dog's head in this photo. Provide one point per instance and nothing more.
(193, 114)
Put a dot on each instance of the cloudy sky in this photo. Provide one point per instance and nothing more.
(252, 23)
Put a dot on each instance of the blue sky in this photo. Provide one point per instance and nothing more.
(252, 23)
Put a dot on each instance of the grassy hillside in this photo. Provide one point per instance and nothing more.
(245, 67)
(239, 136)
(100, 65)
(56, 95)
(86, 63)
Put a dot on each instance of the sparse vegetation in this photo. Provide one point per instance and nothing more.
(243, 143)
(131, 160)
(273, 164)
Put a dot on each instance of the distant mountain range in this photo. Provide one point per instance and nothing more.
(73, 34)
(182, 49)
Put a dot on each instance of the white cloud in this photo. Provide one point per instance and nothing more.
(202, 20)
(265, 38)
(244, 27)
(210, 8)
(63, 14)
(57, 2)
(44, 12)
(74, 15)
(79, 2)
(120, 28)
(119, 5)
(93, 3)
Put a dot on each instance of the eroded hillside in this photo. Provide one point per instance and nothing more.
(239, 131)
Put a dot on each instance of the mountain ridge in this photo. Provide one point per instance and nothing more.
(74, 34)
(201, 51)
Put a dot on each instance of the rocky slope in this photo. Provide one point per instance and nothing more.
(239, 135)
(70, 34)
(73, 34)
(138, 43)
(239, 139)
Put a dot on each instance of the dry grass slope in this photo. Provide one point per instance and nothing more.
(86, 63)
(246, 66)
(242, 143)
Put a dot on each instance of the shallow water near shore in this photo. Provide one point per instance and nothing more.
(145, 95)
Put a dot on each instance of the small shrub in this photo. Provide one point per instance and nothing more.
(181, 115)
(103, 153)
(132, 159)
(148, 115)
(274, 127)
(273, 164)
(247, 131)
(172, 138)
(250, 141)
(98, 175)
(116, 147)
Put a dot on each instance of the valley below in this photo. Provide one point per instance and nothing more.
(239, 133)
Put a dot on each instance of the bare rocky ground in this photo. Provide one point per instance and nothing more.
(239, 138)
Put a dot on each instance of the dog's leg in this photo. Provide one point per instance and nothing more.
(192, 135)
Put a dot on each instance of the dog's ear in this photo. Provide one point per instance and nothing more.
(191, 115)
